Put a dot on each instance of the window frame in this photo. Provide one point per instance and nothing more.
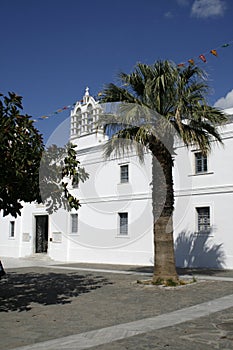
(12, 229)
(122, 179)
(203, 163)
(124, 232)
(72, 216)
(206, 216)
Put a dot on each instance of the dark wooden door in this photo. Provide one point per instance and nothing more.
(41, 233)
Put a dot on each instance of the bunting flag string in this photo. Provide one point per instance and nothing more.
(191, 61)
(68, 107)
(57, 111)
(43, 117)
(202, 56)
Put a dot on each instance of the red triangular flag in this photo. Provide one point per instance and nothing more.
(202, 57)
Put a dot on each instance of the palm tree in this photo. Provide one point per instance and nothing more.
(176, 99)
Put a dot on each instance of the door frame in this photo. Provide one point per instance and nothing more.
(35, 215)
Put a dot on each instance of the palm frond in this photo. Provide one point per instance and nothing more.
(124, 142)
(160, 100)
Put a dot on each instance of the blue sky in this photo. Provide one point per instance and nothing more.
(52, 49)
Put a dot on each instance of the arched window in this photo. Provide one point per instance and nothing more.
(78, 121)
(89, 118)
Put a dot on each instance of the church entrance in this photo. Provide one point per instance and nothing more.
(41, 233)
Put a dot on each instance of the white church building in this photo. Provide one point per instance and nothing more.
(115, 224)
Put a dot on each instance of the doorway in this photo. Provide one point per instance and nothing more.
(41, 233)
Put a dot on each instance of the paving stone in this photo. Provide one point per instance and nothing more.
(44, 303)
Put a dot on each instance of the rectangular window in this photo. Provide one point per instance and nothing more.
(12, 229)
(200, 163)
(124, 173)
(203, 219)
(123, 224)
(74, 223)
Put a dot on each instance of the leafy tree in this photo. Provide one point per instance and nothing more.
(28, 171)
(59, 170)
(21, 149)
(159, 103)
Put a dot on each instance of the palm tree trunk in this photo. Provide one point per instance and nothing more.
(163, 205)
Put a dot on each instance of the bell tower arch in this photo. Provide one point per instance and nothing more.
(84, 118)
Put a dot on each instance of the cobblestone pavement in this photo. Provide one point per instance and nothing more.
(41, 303)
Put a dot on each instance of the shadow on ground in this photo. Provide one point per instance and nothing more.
(19, 290)
(192, 252)
(185, 271)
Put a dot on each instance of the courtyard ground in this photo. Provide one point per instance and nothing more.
(51, 306)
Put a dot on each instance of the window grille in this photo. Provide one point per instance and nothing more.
(74, 223)
(124, 173)
(123, 223)
(200, 163)
(203, 219)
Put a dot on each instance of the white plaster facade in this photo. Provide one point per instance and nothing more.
(211, 189)
(115, 223)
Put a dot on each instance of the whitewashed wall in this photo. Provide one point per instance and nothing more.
(9, 246)
(103, 196)
(213, 189)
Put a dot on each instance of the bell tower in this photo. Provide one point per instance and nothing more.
(84, 118)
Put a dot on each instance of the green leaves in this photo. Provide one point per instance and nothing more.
(59, 171)
(177, 95)
(28, 171)
(21, 147)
